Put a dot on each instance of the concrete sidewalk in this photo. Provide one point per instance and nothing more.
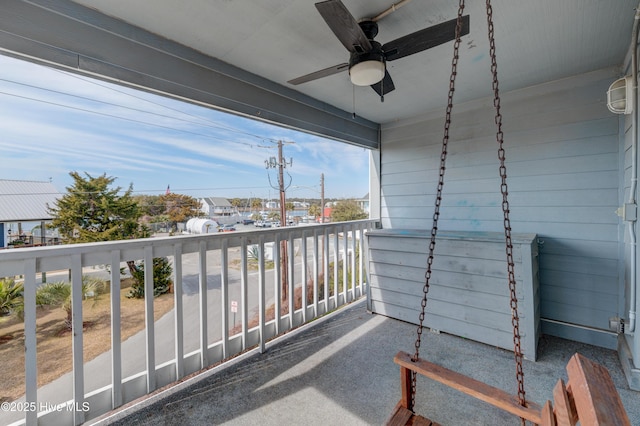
(339, 371)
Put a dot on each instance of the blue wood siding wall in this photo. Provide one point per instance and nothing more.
(564, 173)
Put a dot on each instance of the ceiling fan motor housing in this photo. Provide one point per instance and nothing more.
(369, 28)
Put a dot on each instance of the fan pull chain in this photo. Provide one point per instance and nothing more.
(353, 89)
(436, 214)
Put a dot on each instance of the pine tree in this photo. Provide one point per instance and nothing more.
(92, 210)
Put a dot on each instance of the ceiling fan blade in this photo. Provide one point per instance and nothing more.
(424, 39)
(319, 74)
(385, 85)
(344, 25)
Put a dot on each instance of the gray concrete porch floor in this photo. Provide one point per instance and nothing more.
(339, 370)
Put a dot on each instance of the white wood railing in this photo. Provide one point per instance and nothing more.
(213, 283)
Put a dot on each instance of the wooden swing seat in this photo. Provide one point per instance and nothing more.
(589, 396)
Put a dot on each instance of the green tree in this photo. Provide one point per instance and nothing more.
(92, 210)
(150, 205)
(180, 207)
(315, 210)
(274, 216)
(256, 203)
(345, 210)
(289, 206)
(236, 202)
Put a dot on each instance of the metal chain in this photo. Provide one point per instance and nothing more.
(515, 321)
(436, 214)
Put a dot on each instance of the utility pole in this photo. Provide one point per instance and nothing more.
(281, 164)
(283, 222)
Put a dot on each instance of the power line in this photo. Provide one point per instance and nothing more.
(109, 87)
(85, 110)
(174, 191)
(125, 119)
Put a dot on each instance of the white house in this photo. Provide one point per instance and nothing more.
(216, 206)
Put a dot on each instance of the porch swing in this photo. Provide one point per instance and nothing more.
(589, 396)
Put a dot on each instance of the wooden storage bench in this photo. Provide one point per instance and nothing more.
(469, 294)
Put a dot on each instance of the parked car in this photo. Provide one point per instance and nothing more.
(227, 228)
(247, 221)
(261, 224)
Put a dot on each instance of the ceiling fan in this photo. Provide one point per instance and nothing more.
(367, 63)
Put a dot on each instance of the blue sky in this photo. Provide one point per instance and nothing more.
(53, 122)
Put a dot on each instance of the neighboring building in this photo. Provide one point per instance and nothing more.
(364, 203)
(327, 212)
(298, 205)
(270, 205)
(216, 206)
(24, 201)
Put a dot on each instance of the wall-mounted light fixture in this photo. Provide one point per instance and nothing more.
(620, 96)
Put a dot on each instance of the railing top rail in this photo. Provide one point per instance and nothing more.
(55, 257)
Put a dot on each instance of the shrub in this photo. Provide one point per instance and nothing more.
(10, 297)
(162, 283)
(59, 293)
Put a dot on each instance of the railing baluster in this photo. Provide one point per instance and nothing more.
(316, 285)
(261, 296)
(244, 295)
(178, 310)
(202, 281)
(244, 262)
(336, 264)
(325, 268)
(30, 341)
(352, 265)
(116, 337)
(148, 319)
(224, 295)
(291, 279)
(303, 257)
(361, 256)
(76, 340)
(366, 267)
(345, 264)
(277, 281)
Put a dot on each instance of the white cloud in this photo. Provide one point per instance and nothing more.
(54, 122)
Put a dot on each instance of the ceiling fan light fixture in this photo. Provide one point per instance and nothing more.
(366, 73)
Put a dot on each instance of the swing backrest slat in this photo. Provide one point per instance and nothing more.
(590, 396)
(482, 391)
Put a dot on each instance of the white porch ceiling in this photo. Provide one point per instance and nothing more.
(537, 41)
